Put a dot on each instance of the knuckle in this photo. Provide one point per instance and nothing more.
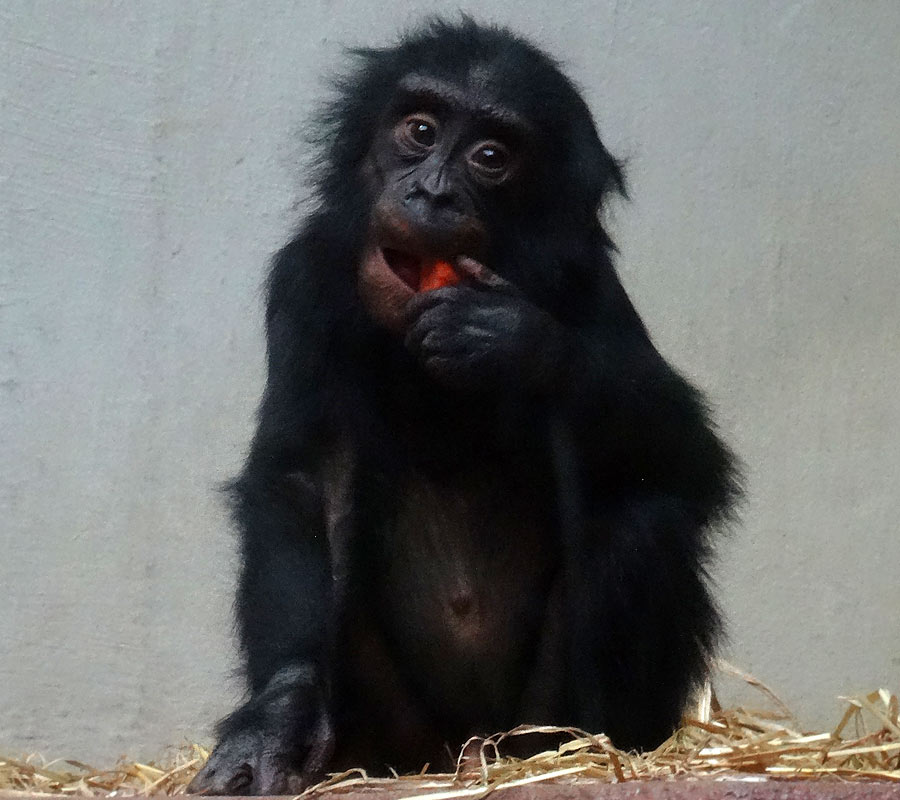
(432, 340)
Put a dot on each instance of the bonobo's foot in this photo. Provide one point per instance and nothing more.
(278, 743)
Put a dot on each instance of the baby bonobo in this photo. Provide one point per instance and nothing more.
(477, 495)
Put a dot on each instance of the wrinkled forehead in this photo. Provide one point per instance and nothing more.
(477, 93)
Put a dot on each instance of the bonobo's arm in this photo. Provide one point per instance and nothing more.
(641, 476)
(282, 735)
(636, 421)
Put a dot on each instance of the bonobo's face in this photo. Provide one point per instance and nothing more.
(440, 155)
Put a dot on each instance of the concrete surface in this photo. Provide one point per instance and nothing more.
(150, 164)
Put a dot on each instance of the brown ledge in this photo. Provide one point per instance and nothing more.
(684, 789)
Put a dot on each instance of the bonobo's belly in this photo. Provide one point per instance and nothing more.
(462, 591)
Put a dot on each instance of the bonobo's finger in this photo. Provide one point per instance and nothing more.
(419, 304)
(321, 747)
(422, 301)
(276, 773)
(481, 275)
(227, 772)
(431, 319)
(271, 775)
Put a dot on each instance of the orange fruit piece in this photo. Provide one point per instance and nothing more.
(437, 275)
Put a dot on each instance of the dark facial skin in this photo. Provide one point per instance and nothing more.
(432, 170)
(471, 507)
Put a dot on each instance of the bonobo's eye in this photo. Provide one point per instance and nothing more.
(491, 160)
(418, 131)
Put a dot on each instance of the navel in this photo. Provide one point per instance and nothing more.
(462, 602)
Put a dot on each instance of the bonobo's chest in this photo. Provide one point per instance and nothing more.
(465, 565)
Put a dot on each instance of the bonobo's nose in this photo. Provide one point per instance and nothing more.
(439, 220)
(427, 203)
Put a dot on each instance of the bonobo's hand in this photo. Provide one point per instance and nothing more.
(277, 743)
(484, 334)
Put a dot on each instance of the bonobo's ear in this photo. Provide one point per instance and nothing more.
(593, 170)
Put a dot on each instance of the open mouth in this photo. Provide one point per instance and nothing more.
(418, 273)
(406, 266)
(390, 278)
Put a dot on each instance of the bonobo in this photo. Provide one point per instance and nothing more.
(477, 495)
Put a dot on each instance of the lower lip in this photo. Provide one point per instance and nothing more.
(384, 292)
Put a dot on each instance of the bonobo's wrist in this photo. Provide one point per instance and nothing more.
(301, 678)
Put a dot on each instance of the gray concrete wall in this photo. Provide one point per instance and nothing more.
(150, 166)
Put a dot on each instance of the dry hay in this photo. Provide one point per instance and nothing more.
(715, 743)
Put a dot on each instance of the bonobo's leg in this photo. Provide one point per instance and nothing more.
(282, 736)
(642, 623)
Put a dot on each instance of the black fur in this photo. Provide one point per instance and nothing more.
(599, 478)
